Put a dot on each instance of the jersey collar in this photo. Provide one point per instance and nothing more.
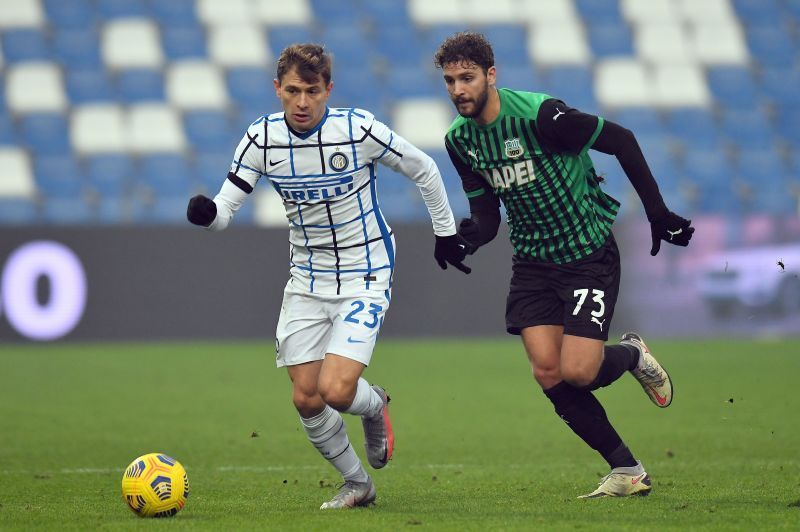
(311, 131)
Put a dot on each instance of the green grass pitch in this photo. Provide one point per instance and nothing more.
(478, 446)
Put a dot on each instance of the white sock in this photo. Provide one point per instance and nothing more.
(367, 402)
(329, 435)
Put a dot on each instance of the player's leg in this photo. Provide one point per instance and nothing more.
(302, 334)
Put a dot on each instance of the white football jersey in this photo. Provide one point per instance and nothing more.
(339, 241)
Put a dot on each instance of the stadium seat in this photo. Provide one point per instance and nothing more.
(659, 42)
(718, 44)
(110, 175)
(25, 44)
(508, 44)
(72, 15)
(17, 212)
(640, 120)
(68, 211)
(401, 46)
(759, 12)
(280, 37)
(732, 86)
(772, 46)
(642, 11)
(175, 14)
(98, 128)
(426, 13)
(167, 175)
(343, 13)
(16, 175)
(749, 128)
(211, 12)
(349, 46)
(33, 87)
(788, 127)
(77, 48)
(680, 85)
(44, 134)
(155, 128)
(386, 14)
(210, 168)
(279, 12)
(21, 14)
(137, 85)
(131, 43)
(89, 85)
(518, 78)
(543, 12)
(210, 130)
(610, 39)
(714, 12)
(781, 86)
(427, 133)
(694, 128)
(8, 132)
(196, 85)
(622, 82)
(600, 12)
(184, 43)
(112, 9)
(426, 84)
(573, 85)
(558, 43)
(60, 177)
(480, 12)
(238, 45)
(251, 88)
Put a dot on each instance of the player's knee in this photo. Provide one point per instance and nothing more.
(307, 404)
(578, 374)
(547, 376)
(338, 394)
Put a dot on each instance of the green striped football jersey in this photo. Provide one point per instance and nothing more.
(555, 208)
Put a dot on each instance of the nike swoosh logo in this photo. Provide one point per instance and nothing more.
(276, 162)
(636, 480)
(351, 340)
(660, 399)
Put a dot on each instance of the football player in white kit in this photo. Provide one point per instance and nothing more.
(322, 162)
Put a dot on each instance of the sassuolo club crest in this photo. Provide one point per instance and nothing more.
(513, 148)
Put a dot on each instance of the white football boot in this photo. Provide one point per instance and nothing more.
(352, 494)
(651, 375)
(622, 482)
(378, 434)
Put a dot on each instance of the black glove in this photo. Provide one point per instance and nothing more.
(201, 210)
(451, 249)
(671, 228)
(470, 232)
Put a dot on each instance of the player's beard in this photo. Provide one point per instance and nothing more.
(480, 103)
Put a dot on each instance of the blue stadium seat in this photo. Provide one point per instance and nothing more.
(88, 86)
(59, 211)
(17, 212)
(599, 11)
(761, 165)
(280, 37)
(251, 88)
(610, 39)
(344, 13)
(781, 86)
(25, 45)
(793, 9)
(772, 45)
(141, 85)
(78, 48)
(111, 9)
(387, 14)
(45, 134)
(732, 86)
(694, 128)
(788, 126)
(166, 174)
(59, 177)
(75, 14)
(425, 84)
(641, 120)
(352, 89)
(211, 168)
(432, 36)
(748, 129)
(110, 175)
(573, 85)
(175, 13)
(210, 130)
(509, 44)
(706, 167)
(759, 12)
(400, 46)
(184, 42)
(524, 78)
(350, 47)
(8, 133)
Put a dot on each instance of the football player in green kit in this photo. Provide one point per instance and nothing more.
(530, 151)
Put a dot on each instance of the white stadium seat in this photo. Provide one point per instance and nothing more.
(545, 11)
(717, 44)
(98, 128)
(35, 86)
(155, 128)
(558, 43)
(196, 85)
(275, 12)
(622, 82)
(425, 12)
(131, 43)
(706, 11)
(662, 43)
(424, 133)
(212, 12)
(16, 175)
(680, 86)
(479, 12)
(238, 45)
(21, 14)
(663, 11)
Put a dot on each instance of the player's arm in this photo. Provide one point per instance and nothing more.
(572, 131)
(484, 206)
(397, 153)
(243, 174)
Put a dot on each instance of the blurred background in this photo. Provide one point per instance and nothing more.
(114, 112)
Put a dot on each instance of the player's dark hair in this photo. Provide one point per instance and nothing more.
(465, 47)
(311, 61)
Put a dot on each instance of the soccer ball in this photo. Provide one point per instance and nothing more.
(155, 485)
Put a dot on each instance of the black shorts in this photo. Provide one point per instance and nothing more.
(580, 295)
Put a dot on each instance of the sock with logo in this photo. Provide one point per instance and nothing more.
(367, 402)
(617, 359)
(586, 417)
(327, 432)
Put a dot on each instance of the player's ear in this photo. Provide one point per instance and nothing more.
(277, 83)
(329, 88)
(491, 75)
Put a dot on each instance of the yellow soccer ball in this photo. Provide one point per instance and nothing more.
(155, 485)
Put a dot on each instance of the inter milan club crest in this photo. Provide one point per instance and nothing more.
(513, 148)
(338, 161)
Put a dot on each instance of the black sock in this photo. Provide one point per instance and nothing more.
(617, 359)
(585, 416)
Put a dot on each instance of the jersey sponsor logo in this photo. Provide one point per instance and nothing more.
(517, 174)
(513, 148)
(338, 161)
(316, 190)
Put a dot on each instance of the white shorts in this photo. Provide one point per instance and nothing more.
(311, 325)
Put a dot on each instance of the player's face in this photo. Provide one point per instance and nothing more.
(303, 103)
(468, 87)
